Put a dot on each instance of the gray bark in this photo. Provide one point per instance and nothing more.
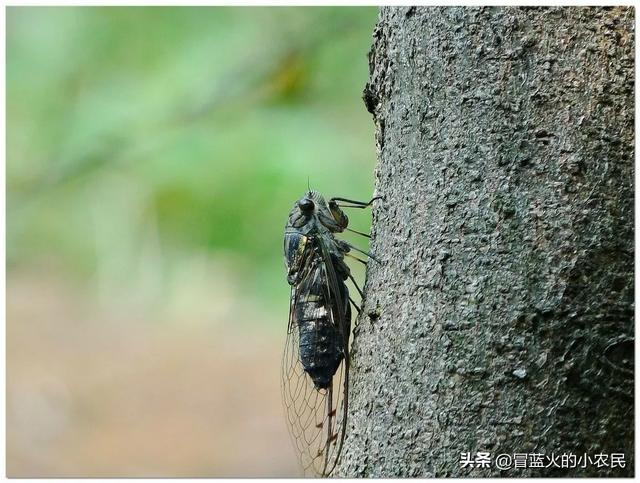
(500, 318)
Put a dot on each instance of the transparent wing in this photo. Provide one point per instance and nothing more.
(316, 418)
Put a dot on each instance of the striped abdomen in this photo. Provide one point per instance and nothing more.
(321, 342)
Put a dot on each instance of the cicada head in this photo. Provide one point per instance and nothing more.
(303, 212)
(313, 212)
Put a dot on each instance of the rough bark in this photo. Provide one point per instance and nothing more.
(500, 318)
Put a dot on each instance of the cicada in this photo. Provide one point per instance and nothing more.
(315, 365)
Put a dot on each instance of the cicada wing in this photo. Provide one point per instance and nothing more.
(340, 313)
(315, 424)
(316, 418)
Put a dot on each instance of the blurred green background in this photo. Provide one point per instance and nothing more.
(153, 155)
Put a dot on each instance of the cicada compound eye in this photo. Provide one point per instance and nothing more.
(306, 205)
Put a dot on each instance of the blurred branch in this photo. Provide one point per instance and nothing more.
(270, 74)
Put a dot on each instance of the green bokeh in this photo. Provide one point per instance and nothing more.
(143, 139)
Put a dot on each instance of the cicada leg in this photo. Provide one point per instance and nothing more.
(354, 204)
(355, 305)
(358, 232)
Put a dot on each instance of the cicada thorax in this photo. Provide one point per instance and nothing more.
(296, 255)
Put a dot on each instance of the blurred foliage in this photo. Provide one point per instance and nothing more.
(152, 148)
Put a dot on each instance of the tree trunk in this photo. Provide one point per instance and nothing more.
(500, 318)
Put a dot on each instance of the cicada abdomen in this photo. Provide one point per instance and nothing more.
(321, 340)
